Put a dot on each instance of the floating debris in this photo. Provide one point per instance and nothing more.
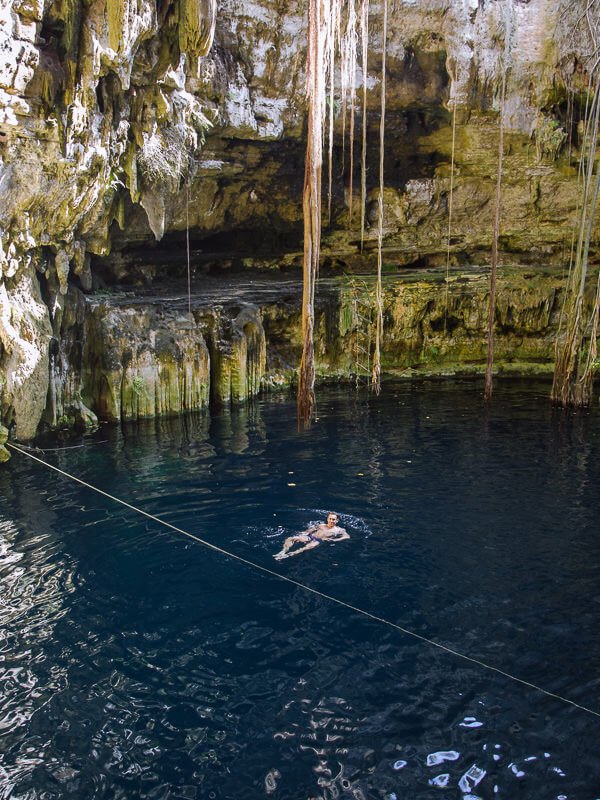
(470, 722)
(442, 755)
(440, 781)
(271, 780)
(472, 778)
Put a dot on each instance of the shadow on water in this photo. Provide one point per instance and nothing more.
(137, 663)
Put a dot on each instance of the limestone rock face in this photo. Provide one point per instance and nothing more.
(441, 56)
(126, 124)
(4, 454)
(428, 331)
(139, 360)
(239, 354)
(85, 91)
(137, 365)
(148, 357)
(24, 338)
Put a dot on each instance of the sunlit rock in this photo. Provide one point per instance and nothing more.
(138, 364)
(4, 453)
(24, 335)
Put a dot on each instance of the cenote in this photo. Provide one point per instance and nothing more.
(140, 664)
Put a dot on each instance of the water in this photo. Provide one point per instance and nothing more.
(135, 663)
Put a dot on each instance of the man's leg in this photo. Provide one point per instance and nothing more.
(290, 542)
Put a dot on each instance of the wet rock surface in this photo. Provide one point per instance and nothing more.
(133, 355)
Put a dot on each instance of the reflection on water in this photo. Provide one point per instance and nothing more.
(135, 663)
(34, 584)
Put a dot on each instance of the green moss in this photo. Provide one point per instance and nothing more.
(346, 315)
(139, 388)
(549, 138)
(115, 19)
(430, 353)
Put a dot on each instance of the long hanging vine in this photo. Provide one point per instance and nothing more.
(573, 375)
(450, 205)
(488, 389)
(364, 39)
(349, 43)
(376, 373)
(575, 363)
(319, 14)
(330, 28)
(333, 24)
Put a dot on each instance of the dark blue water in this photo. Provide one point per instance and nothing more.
(135, 663)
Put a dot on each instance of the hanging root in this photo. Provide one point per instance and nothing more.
(364, 36)
(496, 235)
(349, 42)
(578, 326)
(324, 33)
(573, 377)
(332, 34)
(450, 201)
(376, 374)
(316, 82)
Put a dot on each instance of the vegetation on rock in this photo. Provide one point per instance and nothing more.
(577, 342)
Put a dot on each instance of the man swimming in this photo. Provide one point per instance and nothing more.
(323, 532)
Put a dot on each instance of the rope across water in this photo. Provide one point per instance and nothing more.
(305, 587)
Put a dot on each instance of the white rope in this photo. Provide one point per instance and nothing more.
(308, 588)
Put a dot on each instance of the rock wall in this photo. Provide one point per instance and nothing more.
(122, 131)
(136, 359)
(249, 175)
(89, 93)
(124, 357)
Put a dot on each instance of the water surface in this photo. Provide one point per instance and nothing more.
(135, 663)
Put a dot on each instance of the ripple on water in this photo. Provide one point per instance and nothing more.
(36, 580)
(135, 664)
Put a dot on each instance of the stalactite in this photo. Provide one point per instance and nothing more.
(376, 374)
(116, 22)
(197, 20)
(488, 389)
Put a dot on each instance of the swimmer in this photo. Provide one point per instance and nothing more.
(323, 532)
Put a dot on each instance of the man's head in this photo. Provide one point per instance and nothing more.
(332, 519)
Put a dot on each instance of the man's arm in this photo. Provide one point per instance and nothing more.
(340, 536)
